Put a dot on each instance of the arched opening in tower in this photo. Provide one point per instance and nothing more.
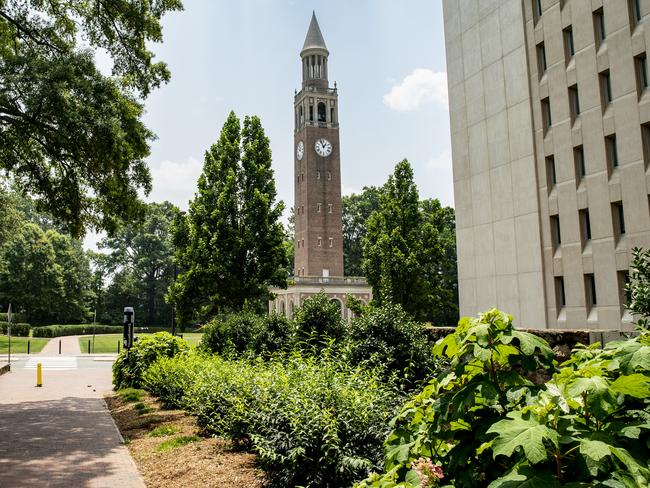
(322, 111)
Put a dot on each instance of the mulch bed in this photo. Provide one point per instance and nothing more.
(208, 462)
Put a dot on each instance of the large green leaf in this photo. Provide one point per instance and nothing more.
(525, 477)
(595, 450)
(526, 433)
(635, 385)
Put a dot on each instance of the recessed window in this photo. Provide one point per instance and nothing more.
(551, 177)
(541, 59)
(569, 48)
(605, 82)
(579, 163)
(318, 206)
(645, 137)
(537, 10)
(320, 242)
(318, 175)
(560, 296)
(618, 219)
(556, 235)
(546, 115)
(611, 152)
(329, 175)
(634, 9)
(331, 242)
(623, 278)
(590, 291)
(641, 67)
(302, 244)
(329, 208)
(574, 102)
(599, 27)
(311, 113)
(585, 225)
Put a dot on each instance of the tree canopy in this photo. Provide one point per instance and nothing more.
(70, 135)
(230, 245)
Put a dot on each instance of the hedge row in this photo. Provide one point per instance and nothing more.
(15, 317)
(311, 421)
(68, 330)
(19, 329)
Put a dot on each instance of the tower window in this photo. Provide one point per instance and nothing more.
(329, 175)
(322, 112)
(331, 242)
(329, 208)
(599, 27)
(320, 242)
(302, 209)
(611, 150)
(590, 290)
(556, 235)
(569, 48)
(579, 162)
(585, 225)
(318, 175)
(550, 172)
(546, 115)
(332, 115)
(641, 65)
(574, 101)
(318, 206)
(311, 113)
(618, 217)
(560, 297)
(302, 115)
(541, 59)
(605, 88)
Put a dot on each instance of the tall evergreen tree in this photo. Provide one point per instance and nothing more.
(357, 209)
(231, 241)
(400, 249)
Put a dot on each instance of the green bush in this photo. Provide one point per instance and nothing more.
(79, 329)
(132, 363)
(275, 335)
(319, 319)
(311, 421)
(388, 338)
(15, 317)
(19, 329)
(492, 421)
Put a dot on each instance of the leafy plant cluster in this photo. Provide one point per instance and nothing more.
(383, 338)
(131, 364)
(76, 329)
(17, 329)
(505, 415)
(311, 421)
(15, 317)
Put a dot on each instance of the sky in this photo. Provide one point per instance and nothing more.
(387, 57)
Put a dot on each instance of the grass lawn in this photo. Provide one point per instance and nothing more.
(107, 343)
(19, 344)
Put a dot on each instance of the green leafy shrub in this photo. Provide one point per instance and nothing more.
(17, 329)
(275, 335)
(387, 337)
(319, 319)
(492, 421)
(637, 290)
(15, 317)
(132, 363)
(311, 421)
(78, 329)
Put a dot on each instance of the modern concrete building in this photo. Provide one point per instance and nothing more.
(550, 122)
(318, 244)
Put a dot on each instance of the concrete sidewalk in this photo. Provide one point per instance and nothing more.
(61, 435)
(69, 346)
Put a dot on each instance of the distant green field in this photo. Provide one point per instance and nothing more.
(19, 344)
(107, 343)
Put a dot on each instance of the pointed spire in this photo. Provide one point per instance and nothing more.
(314, 37)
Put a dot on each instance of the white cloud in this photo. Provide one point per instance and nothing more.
(422, 86)
(175, 182)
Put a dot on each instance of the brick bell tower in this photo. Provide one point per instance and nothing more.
(318, 249)
(317, 210)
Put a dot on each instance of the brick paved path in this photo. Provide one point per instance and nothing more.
(69, 346)
(61, 435)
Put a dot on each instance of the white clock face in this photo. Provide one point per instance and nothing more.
(323, 147)
(300, 150)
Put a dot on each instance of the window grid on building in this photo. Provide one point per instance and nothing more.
(574, 101)
(585, 225)
(569, 48)
(579, 163)
(550, 172)
(634, 9)
(560, 296)
(641, 68)
(556, 234)
(605, 83)
(600, 33)
(618, 218)
(611, 152)
(645, 138)
(541, 59)
(590, 290)
(546, 115)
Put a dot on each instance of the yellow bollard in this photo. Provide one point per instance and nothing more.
(39, 374)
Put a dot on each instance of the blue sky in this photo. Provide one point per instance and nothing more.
(387, 57)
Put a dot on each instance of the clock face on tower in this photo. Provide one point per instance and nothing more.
(323, 147)
(300, 150)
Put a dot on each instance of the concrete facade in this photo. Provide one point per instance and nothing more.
(548, 106)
